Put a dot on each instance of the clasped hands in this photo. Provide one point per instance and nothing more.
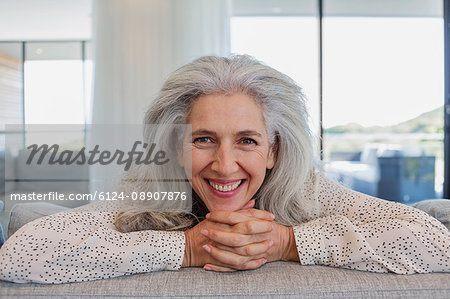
(227, 241)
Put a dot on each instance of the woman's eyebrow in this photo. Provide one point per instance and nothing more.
(203, 132)
(249, 133)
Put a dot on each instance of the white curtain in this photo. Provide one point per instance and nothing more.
(138, 43)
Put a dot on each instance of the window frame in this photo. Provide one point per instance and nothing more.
(289, 8)
(446, 99)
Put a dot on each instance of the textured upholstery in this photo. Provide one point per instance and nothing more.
(438, 208)
(279, 279)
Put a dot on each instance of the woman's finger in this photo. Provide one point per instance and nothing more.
(211, 267)
(233, 239)
(247, 227)
(218, 226)
(252, 250)
(234, 261)
(253, 264)
(231, 217)
(227, 258)
(253, 227)
(259, 214)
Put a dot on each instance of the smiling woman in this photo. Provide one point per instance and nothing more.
(230, 150)
(258, 196)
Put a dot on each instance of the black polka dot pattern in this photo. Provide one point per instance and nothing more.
(357, 231)
(82, 244)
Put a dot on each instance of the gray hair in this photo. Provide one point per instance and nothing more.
(285, 114)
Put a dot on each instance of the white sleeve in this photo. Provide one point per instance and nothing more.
(82, 244)
(357, 231)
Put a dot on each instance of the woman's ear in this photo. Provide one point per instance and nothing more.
(272, 157)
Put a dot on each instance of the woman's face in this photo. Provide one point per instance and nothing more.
(230, 150)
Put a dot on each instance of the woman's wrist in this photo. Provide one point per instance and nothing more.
(186, 257)
(291, 253)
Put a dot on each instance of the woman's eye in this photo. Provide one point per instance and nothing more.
(248, 141)
(202, 140)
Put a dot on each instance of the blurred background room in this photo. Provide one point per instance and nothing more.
(372, 71)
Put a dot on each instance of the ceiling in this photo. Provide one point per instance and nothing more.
(45, 20)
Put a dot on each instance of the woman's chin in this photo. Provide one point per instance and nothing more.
(229, 206)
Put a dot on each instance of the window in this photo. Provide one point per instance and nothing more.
(381, 79)
(383, 91)
(53, 82)
(53, 76)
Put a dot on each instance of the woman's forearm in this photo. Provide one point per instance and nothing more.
(414, 244)
(83, 245)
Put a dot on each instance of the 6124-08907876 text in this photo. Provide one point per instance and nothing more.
(136, 196)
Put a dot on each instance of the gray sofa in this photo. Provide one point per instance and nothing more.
(274, 280)
(277, 280)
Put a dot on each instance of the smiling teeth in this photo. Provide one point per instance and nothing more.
(225, 188)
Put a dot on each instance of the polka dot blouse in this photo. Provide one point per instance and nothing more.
(357, 231)
(353, 231)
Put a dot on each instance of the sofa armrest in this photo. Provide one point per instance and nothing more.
(273, 280)
(23, 213)
(438, 208)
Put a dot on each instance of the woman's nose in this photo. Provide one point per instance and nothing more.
(225, 162)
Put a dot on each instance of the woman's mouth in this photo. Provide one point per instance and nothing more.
(224, 188)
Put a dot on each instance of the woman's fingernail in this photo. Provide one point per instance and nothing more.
(204, 232)
(206, 247)
(272, 216)
(264, 261)
(207, 268)
(207, 215)
(270, 243)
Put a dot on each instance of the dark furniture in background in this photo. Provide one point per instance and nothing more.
(396, 174)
